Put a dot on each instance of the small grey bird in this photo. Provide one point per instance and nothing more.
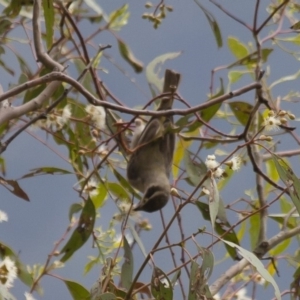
(150, 165)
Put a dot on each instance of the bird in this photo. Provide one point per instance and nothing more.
(149, 165)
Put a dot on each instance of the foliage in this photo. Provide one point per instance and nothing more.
(64, 100)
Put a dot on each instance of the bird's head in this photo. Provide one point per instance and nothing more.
(155, 198)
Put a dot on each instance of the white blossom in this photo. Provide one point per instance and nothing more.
(119, 239)
(241, 295)
(219, 172)
(235, 163)
(64, 118)
(39, 124)
(272, 123)
(3, 216)
(8, 272)
(212, 164)
(51, 121)
(91, 187)
(165, 282)
(102, 150)
(28, 296)
(217, 297)
(66, 113)
(259, 279)
(125, 208)
(97, 114)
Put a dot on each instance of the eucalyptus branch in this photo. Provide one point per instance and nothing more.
(207, 139)
(42, 55)
(255, 15)
(15, 112)
(288, 153)
(35, 103)
(256, 151)
(42, 115)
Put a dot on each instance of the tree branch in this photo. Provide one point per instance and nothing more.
(38, 101)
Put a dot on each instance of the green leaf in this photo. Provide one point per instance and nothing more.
(118, 190)
(83, 231)
(279, 249)
(251, 59)
(254, 261)
(208, 262)
(285, 79)
(204, 209)
(2, 165)
(295, 284)
(178, 156)
(198, 288)
(254, 229)
(5, 25)
(195, 172)
(222, 183)
(195, 281)
(87, 79)
(213, 25)
(238, 49)
(94, 5)
(13, 9)
(24, 66)
(127, 54)
(106, 296)
(235, 76)
(74, 209)
(46, 171)
(214, 199)
(175, 277)
(36, 91)
(137, 238)
(119, 18)
(99, 197)
(124, 183)
(289, 178)
(292, 39)
(281, 219)
(49, 21)
(209, 112)
(127, 267)
(77, 291)
(242, 111)
(14, 187)
(221, 227)
(161, 287)
(271, 170)
(154, 68)
(296, 26)
(265, 54)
